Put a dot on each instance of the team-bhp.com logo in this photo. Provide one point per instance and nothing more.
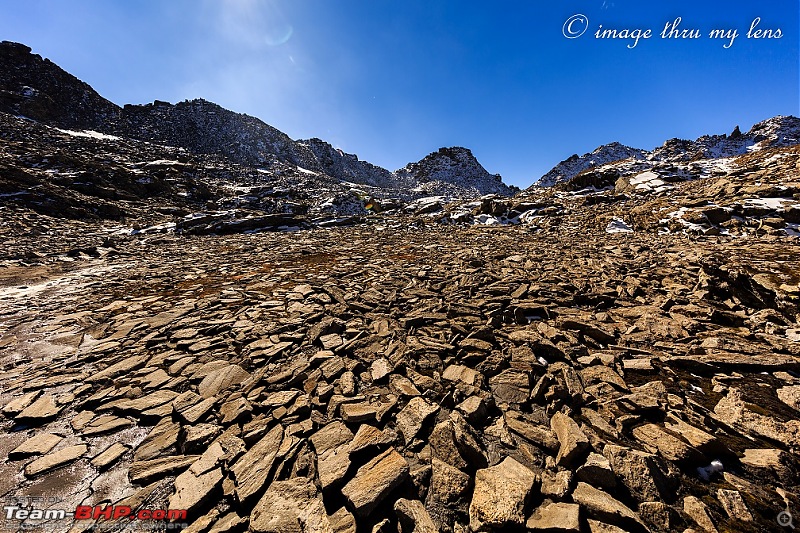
(84, 512)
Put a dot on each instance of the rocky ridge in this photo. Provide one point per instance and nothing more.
(618, 353)
(710, 150)
(36, 88)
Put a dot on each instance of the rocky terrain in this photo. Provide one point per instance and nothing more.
(36, 88)
(709, 151)
(275, 348)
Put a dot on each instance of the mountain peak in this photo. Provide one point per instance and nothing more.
(574, 165)
(458, 166)
(37, 88)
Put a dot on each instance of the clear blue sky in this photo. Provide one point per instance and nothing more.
(393, 80)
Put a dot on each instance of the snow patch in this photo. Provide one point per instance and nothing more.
(618, 225)
(91, 134)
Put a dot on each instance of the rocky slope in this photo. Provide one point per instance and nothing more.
(38, 89)
(618, 353)
(456, 167)
(574, 165)
(710, 150)
(403, 377)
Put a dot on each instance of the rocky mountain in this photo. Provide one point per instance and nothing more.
(615, 362)
(38, 89)
(574, 165)
(247, 342)
(709, 150)
(456, 167)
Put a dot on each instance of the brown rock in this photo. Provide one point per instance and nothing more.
(734, 505)
(413, 517)
(39, 444)
(555, 518)
(413, 416)
(221, 379)
(603, 507)
(55, 459)
(375, 480)
(697, 511)
(251, 471)
(291, 506)
(669, 446)
(501, 496)
(573, 441)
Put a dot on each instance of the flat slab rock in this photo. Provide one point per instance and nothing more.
(501, 495)
(375, 480)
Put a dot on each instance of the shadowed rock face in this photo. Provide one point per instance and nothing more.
(38, 89)
(184, 332)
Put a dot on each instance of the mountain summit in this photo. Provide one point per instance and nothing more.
(38, 89)
(775, 132)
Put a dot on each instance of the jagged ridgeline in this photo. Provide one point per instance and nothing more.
(616, 353)
(317, 176)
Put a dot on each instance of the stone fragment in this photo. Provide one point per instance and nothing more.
(39, 444)
(43, 409)
(193, 490)
(251, 471)
(734, 505)
(17, 405)
(448, 484)
(347, 383)
(331, 436)
(291, 506)
(105, 424)
(790, 396)
(573, 441)
(413, 416)
(368, 437)
(511, 386)
(354, 413)
(658, 515)
(555, 518)
(638, 471)
(556, 484)
(55, 459)
(332, 465)
(463, 374)
(163, 436)
(597, 471)
(374, 481)
(501, 496)
(402, 386)
(770, 459)
(221, 379)
(235, 411)
(413, 517)
(698, 512)
(380, 369)
(540, 435)
(109, 456)
(669, 446)
(604, 507)
(142, 472)
(474, 409)
(342, 521)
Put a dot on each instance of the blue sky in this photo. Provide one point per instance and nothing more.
(393, 80)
